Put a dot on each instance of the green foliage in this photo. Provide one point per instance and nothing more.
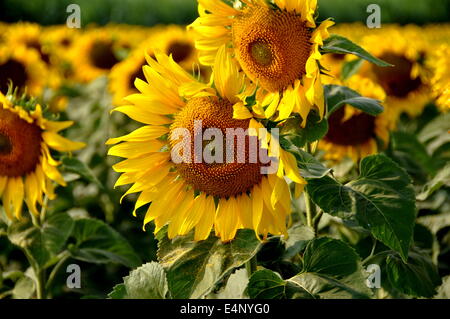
(340, 45)
(315, 129)
(331, 269)
(146, 282)
(337, 96)
(97, 242)
(194, 268)
(381, 199)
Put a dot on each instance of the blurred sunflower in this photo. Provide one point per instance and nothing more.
(26, 167)
(276, 43)
(405, 84)
(175, 40)
(95, 53)
(24, 68)
(440, 80)
(186, 194)
(123, 74)
(355, 134)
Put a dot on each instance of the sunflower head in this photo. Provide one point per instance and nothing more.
(272, 46)
(27, 168)
(196, 193)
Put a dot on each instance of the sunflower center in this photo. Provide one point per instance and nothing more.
(225, 178)
(5, 145)
(14, 71)
(272, 46)
(20, 145)
(180, 51)
(356, 130)
(397, 81)
(102, 55)
(261, 53)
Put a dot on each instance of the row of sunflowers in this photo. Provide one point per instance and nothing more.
(256, 66)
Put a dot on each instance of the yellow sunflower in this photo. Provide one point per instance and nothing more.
(440, 80)
(95, 53)
(24, 68)
(175, 40)
(276, 44)
(26, 167)
(192, 194)
(405, 84)
(355, 134)
(123, 74)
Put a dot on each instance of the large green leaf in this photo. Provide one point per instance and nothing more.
(338, 96)
(45, 242)
(266, 284)
(194, 268)
(331, 269)
(338, 44)
(97, 242)
(146, 282)
(417, 278)
(235, 287)
(299, 236)
(382, 200)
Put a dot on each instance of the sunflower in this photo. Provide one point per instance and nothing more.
(192, 194)
(23, 68)
(123, 74)
(276, 44)
(405, 83)
(440, 80)
(26, 167)
(95, 53)
(177, 41)
(355, 134)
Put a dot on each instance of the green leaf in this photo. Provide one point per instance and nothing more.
(417, 278)
(24, 288)
(401, 144)
(382, 200)
(351, 68)
(74, 165)
(235, 287)
(338, 44)
(97, 242)
(147, 282)
(435, 222)
(441, 179)
(331, 269)
(309, 166)
(194, 268)
(299, 236)
(119, 292)
(436, 128)
(315, 129)
(338, 96)
(266, 284)
(43, 243)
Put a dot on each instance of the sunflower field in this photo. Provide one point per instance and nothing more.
(224, 149)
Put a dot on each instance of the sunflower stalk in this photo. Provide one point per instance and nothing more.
(311, 209)
(251, 266)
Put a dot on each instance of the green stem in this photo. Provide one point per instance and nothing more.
(251, 266)
(63, 258)
(40, 291)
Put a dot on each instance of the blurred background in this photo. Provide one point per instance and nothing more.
(151, 12)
